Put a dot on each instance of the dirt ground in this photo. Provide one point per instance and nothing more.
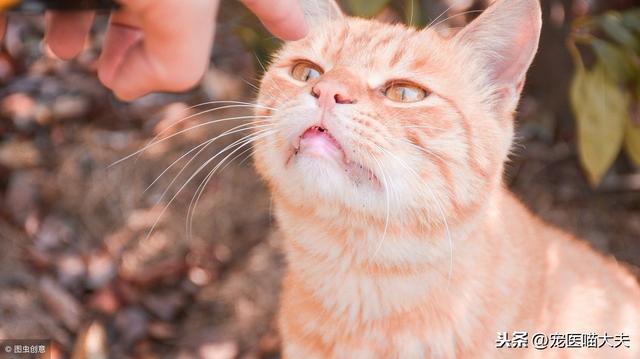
(88, 251)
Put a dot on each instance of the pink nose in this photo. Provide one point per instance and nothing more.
(331, 92)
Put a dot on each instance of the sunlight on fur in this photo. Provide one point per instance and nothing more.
(384, 147)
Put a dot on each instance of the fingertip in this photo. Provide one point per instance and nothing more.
(296, 33)
(283, 18)
(125, 95)
(297, 27)
(66, 33)
(290, 30)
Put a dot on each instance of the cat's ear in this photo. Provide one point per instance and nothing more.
(318, 11)
(505, 39)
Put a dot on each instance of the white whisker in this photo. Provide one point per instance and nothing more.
(234, 130)
(183, 131)
(247, 140)
(236, 143)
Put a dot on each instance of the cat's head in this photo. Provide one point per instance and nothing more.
(377, 118)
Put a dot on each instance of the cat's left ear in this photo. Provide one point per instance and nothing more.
(505, 39)
(318, 11)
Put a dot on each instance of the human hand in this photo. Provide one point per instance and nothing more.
(159, 45)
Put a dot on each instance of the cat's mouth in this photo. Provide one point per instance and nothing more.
(318, 142)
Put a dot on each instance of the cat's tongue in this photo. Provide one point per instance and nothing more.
(318, 142)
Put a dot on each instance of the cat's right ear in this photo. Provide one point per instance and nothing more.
(318, 11)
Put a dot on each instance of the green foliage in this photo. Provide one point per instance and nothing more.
(366, 8)
(632, 143)
(414, 14)
(412, 10)
(602, 96)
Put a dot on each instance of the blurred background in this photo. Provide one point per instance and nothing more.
(100, 259)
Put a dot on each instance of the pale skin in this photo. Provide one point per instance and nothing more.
(159, 45)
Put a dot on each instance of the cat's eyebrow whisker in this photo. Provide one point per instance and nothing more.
(265, 71)
(442, 14)
(143, 149)
(234, 130)
(255, 87)
(454, 16)
(204, 165)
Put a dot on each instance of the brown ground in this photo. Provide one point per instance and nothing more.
(74, 234)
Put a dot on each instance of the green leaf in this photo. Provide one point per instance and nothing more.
(612, 25)
(601, 110)
(366, 8)
(632, 142)
(631, 19)
(616, 61)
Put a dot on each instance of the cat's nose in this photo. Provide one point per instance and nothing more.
(331, 92)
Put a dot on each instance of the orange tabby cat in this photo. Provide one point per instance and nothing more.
(384, 152)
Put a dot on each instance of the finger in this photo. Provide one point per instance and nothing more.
(174, 52)
(66, 32)
(118, 41)
(283, 18)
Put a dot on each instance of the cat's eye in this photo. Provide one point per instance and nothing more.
(305, 71)
(405, 92)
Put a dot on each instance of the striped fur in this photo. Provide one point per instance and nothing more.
(424, 254)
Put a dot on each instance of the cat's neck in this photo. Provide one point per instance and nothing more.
(360, 268)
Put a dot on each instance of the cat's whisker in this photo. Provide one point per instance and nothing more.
(388, 206)
(195, 174)
(424, 126)
(208, 123)
(193, 206)
(209, 142)
(247, 140)
(439, 205)
(440, 208)
(228, 105)
(234, 130)
(454, 16)
(231, 105)
(442, 14)
(265, 71)
(255, 87)
(427, 151)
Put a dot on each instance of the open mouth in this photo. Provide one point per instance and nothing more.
(317, 141)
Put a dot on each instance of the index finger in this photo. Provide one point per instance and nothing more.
(283, 18)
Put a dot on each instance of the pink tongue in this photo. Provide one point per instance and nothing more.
(322, 144)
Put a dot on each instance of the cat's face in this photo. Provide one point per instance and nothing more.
(384, 119)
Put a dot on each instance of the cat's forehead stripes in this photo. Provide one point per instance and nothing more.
(369, 46)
